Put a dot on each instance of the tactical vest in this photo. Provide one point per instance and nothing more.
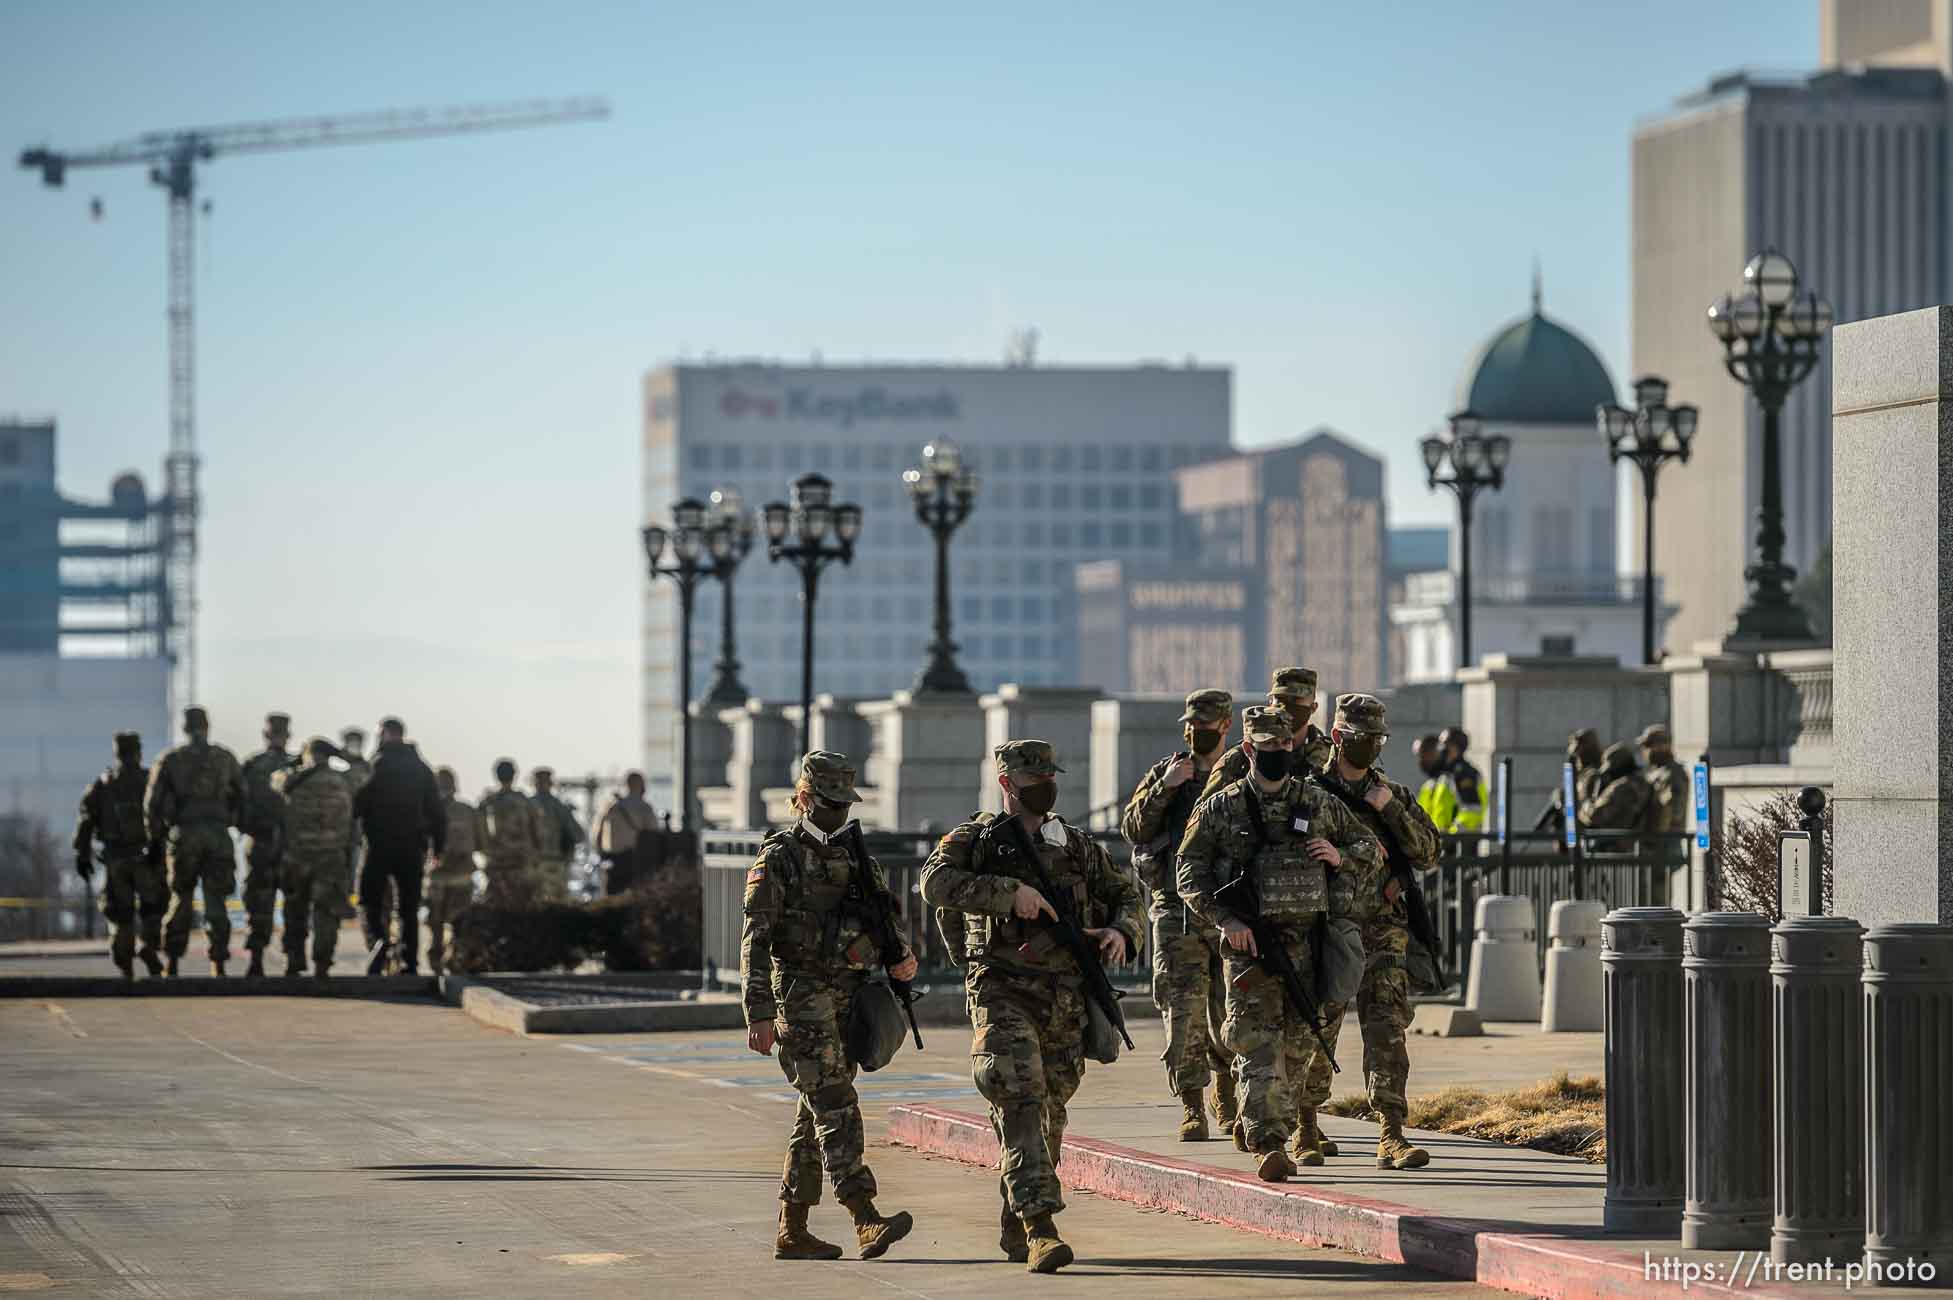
(318, 811)
(1155, 860)
(1291, 885)
(820, 925)
(120, 825)
(507, 815)
(1029, 945)
(197, 777)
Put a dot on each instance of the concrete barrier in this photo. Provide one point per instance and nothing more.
(1574, 1002)
(1505, 959)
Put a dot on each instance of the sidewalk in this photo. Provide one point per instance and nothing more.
(1506, 1217)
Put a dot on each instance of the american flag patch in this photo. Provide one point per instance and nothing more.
(757, 874)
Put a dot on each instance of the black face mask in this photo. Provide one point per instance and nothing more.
(1362, 751)
(1271, 764)
(1038, 799)
(1203, 740)
(828, 817)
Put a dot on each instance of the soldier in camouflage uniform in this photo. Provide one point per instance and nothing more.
(1622, 799)
(451, 885)
(1291, 691)
(1293, 834)
(1673, 790)
(512, 839)
(1389, 811)
(194, 796)
(359, 770)
(1187, 984)
(1024, 989)
(561, 833)
(132, 888)
(318, 805)
(261, 821)
(807, 948)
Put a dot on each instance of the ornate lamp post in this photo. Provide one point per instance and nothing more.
(1650, 435)
(944, 491)
(1477, 462)
(696, 543)
(730, 521)
(1770, 336)
(798, 531)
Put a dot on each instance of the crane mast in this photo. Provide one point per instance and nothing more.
(172, 158)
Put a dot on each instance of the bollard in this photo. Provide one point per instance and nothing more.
(1726, 993)
(1641, 976)
(1505, 960)
(1573, 994)
(1908, 1003)
(1819, 1112)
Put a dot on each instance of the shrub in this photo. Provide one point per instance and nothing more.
(653, 927)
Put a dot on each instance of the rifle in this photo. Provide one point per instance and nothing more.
(1098, 985)
(1400, 866)
(875, 905)
(1552, 816)
(1240, 897)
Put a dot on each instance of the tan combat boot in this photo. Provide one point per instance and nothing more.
(1302, 1147)
(874, 1233)
(1016, 1246)
(1275, 1166)
(795, 1242)
(1225, 1108)
(1048, 1252)
(1308, 1123)
(1394, 1151)
(1193, 1117)
(1240, 1136)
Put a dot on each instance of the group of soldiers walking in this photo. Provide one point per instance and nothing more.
(316, 825)
(1277, 880)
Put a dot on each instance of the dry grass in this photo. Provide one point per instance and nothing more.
(1563, 1115)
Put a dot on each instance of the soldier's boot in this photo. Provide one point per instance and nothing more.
(1394, 1151)
(128, 969)
(1225, 1107)
(170, 970)
(1308, 1133)
(217, 966)
(1048, 1252)
(1302, 1147)
(152, 961)
(1240, 1136)
(872, 1232)
(1193, 1117)
(321, 980)
(294, 965)
(1016, 1246)
(794, 1241)
(255, 971)
(1275, 1166)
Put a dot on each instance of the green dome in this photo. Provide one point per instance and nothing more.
(1536, 372)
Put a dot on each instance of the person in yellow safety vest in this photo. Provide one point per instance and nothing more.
(1429, 796)
(1463, 794)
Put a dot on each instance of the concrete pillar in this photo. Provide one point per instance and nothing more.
(926, 759)
(1059, 714)
(1130, 734)
(1819, 1090)
(1641, 972)
(1892, 617)
(838, 726)
(1573, 991)
(762, 757)
(1908, 1001)
(1726, 996)
(1505, 959)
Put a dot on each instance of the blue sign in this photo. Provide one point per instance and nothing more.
(1571, 805)
(1504, 819)
(1701, 805)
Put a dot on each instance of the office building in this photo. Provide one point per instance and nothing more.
(1847, 171)
(1075, 465)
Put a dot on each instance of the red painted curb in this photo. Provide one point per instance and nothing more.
(1482, 1251)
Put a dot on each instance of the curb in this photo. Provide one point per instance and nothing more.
(502, 1010)
(209, 986)
(1491, 1253)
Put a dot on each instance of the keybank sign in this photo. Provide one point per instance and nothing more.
(844, 411)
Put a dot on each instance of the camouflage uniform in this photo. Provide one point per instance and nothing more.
(1187, 985)
(194, 795)
(261, 819)
(132, 889)
(1624, 797)
(804, 952)
(1674, 789)
(1383, 1002)
(1311, 748)
(318, 805)
(561, 833)
(1024, 992)
(512, 839)
(451, 885)
(1273, 1046)
(359, 770)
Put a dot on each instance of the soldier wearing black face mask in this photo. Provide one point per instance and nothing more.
(1188, 987)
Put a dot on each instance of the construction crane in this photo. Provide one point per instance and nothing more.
(172, 158)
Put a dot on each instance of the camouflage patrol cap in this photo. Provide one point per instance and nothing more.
(546, 772)
(1208, 705)
(281, 722)
(1362, 714)
(194, 718)
(319, 747)
(351, 734)
(1263, 724)
(1293, 681)
(1028, 758)
(1619, 757)
(1656, 736)
(830, 775)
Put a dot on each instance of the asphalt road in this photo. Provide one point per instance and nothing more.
(288, 1146)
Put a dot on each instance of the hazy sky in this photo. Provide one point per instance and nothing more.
(418, 362)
